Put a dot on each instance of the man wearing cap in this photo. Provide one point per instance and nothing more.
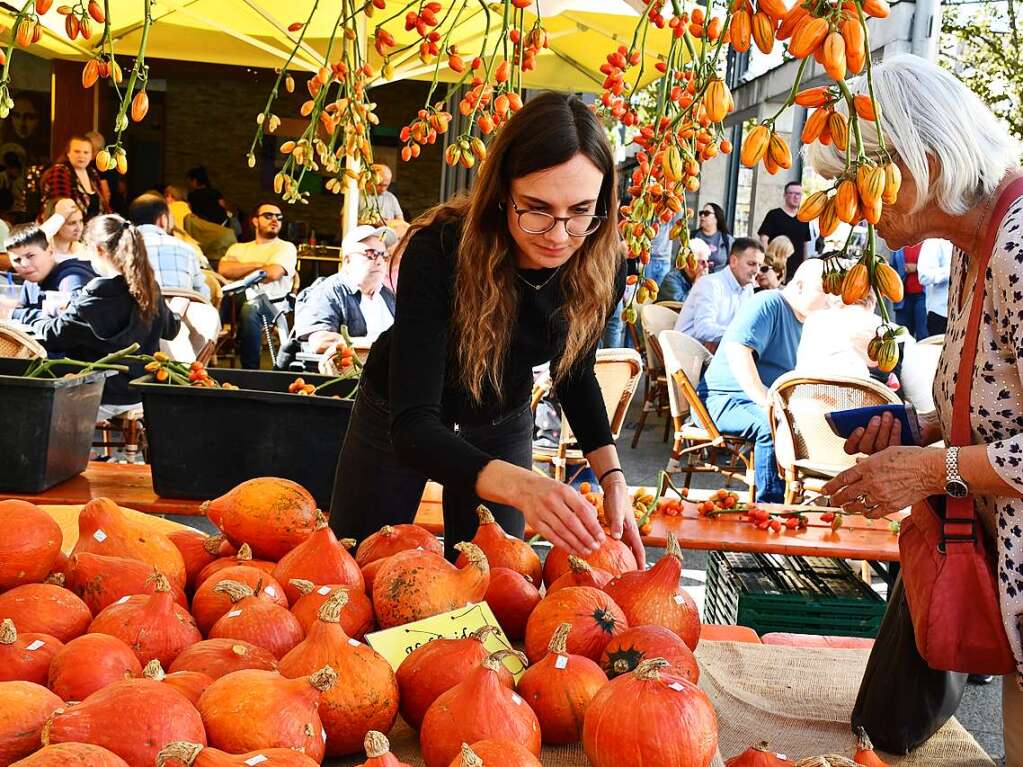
(355, 297)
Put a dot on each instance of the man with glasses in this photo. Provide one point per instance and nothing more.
(278, 258)
(355, 297)
(783, 221)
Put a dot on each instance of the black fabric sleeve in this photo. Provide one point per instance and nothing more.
(579, 392)
(770, 225)
(170, 323)
(418, 359)
(68, 330)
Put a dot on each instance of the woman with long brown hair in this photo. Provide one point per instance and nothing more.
(523, 271)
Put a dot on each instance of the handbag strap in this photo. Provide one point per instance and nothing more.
(959, 512)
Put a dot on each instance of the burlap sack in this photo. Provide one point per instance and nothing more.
(798, 699)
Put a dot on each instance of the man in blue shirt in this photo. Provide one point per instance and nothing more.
(759, 346)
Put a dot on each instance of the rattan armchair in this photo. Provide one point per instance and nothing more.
(654, 319)
(17, 344)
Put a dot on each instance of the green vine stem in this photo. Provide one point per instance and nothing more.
(6, 102)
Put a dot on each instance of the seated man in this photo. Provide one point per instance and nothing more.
(678, 283)
(279, 259)
(355, 297)
(33, 260)
(716, 298)
(759, 346)
(174, 262)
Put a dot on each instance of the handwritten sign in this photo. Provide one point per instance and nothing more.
(398, 643)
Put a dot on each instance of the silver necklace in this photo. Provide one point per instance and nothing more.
(542, 284)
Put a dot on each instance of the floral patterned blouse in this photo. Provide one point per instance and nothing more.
(996, 409)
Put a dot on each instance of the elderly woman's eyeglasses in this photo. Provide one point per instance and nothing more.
(538, 222)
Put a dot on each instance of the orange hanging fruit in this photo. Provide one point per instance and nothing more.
(740, 31)
(855, 44)
(847, 201)
(887, 356)
(791, 20)
(779, 151)
(774, 8)
(716, 100)
(864, 107)
(139, 106)
(813, 97)
(807, 36)
(834, 56)
(90, 73)
(812, 206)
(879, 9)
(814, 125)
(892, 183)
(888, 282)
(856, 284)
(829, 219)
(870, 182)
(763, 31)
(754, 148)
(838, 126)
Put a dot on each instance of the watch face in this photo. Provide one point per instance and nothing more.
(956, 488)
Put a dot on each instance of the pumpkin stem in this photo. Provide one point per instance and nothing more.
(578, 565)
(303, 587)
(321, 520)
(8, 634)
(235, 591)
(330, 610)
(469, 757)
(376, 745)
(323, 679)
(483, 632)
(179, 751)
(347, 543)
(204, 507)
(494, 661)
(863, 740)
(56, 579)
(826, 760)
(212, 544)
(485, 515)
(387, 530)
(162, 584)
(559, 642)
(673, 549)
(650, 669)
(154, 671)
(244, 553)
(474, 554)
(762, 746)
(620, 666)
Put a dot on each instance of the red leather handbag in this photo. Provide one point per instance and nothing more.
(947, 570)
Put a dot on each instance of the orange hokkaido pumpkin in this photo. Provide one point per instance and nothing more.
(369, 573)
(495, 753)
(43, 608)
(378, 752)
(652, 718)
(101, 580)
(29, 545)
(512, 598)
(417, 584)
(356, 618)
(348, 711)
(390, 539)
(191, 684)
(503, 550)
(320, 558)
(265, 624)
(559, 689)
(219, 657)
(593, 615)
(25, 657)
(270, 514)
(626, 651)
(759, 756)
(90, 663)
(24, 709)
(72, 755)
(184, 754)
(134, 719)
(154, 626)
(612, 557)
(654, 597)
(104, 528)
(198, 550)
(208, 604)
(478, 708)
(249, 710)
(580, 574)
(438, 665)
(243, 557)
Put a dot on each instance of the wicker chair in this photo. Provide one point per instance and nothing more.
(200, 327)
(618, 372)
(809, 453)
(697, 438)
(655, 318)
(16, 343)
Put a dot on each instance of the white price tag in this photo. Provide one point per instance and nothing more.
(353, 642)
(324, 734)
(123, 599)
(271, 591)
(100, 536)
(679, 599)
(561, 662)
(516, 699)
(252, 761)
(323, 590)
(35, 645)
(234, 613)
(676, 687)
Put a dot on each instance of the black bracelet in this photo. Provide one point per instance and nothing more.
(608, 473)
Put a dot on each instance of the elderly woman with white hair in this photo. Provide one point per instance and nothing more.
(678, 282)
(957, 162)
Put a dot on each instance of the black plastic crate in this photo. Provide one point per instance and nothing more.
(48, 425)
(203, 442)
(802, 595)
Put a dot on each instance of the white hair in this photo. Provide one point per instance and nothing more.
(700, 248)
(926, 113)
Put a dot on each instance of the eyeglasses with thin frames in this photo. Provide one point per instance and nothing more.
(538, 222)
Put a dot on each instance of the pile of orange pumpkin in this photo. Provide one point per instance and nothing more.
(188, 650)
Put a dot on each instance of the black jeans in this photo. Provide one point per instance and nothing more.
(936, 324)
(373, 488)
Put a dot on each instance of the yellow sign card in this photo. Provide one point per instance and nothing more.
(397, 643)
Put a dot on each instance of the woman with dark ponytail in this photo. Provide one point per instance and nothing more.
(120, 307)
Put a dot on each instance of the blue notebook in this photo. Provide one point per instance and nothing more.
(845, 422)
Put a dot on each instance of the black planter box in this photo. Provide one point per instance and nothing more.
(46, 425)
(202, 442)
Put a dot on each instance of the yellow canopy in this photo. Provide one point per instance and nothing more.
(254, 33)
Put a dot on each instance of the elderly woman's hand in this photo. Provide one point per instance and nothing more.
(889, 481)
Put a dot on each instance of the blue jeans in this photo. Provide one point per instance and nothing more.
(250, 331)
(738, 416)
(656, 269)
(913, 315)
(615, 333)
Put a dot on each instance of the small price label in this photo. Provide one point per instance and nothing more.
(679, 599)
(252, 761)
(234, 613)
(323, 590)
(516, 699)
(35, 645)
(561, 662)
(123, 599)
(676, 687)
(271, 591)
(100, 536)
(354, 642)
